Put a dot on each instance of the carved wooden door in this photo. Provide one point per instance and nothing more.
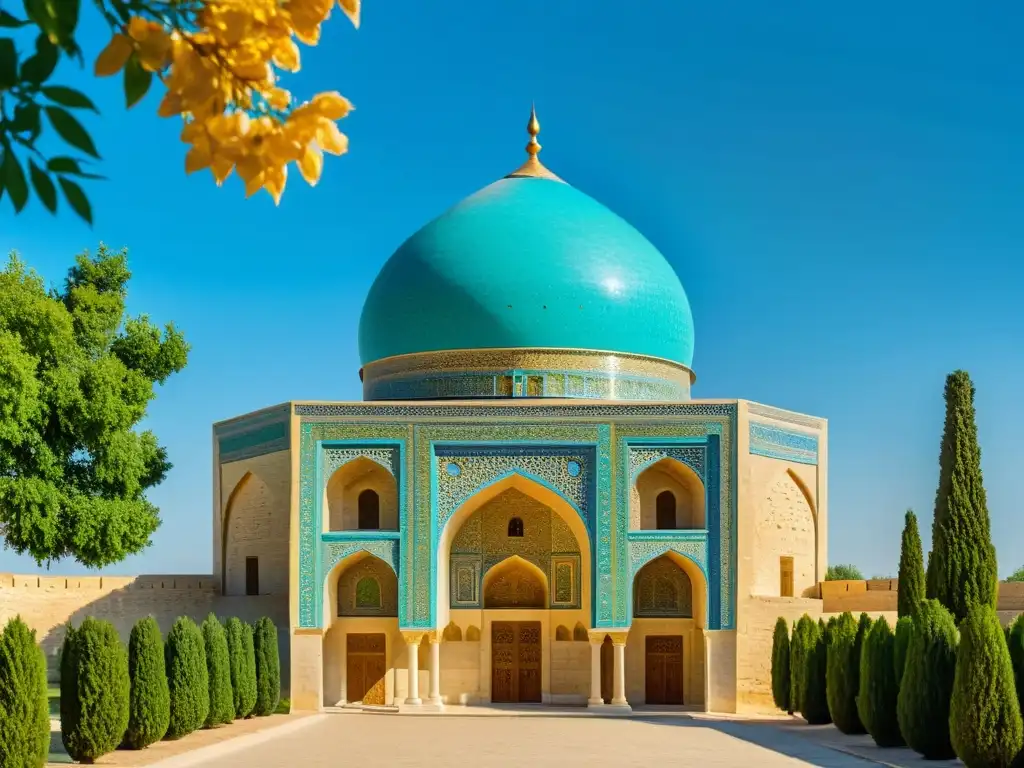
(664, 669)
(366, 668)
(504, 662)
(529, 661)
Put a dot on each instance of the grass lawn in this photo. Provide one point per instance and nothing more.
(54, 694)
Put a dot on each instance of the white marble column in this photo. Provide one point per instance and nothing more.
(343, 656)
(412, 645)
(435, 669)
(595, 699)
(619, 687)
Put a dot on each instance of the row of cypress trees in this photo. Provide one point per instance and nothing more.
(950, 681)
(116, 697)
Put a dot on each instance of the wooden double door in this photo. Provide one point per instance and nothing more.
(366, 667)
(664, 669)
(515, 661)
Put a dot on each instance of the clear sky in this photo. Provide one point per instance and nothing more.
(839, 190)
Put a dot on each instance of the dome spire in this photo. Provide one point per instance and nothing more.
(533, 167)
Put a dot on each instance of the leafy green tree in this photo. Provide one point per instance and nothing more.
(187, 678)
(803, 631)
(218, 668)
(96, 664)
(962, 568)
(843, 572)
(927, 685)
(901, 645)
(243, 667)
(77, 378)
(780, 665)
(1015, 643)
(879, 688)
(911, 579)
(24, 705)
(984, 719)
(814, 697)
(843, 675)
(149, 709)
(1017, 575)
(268, 668)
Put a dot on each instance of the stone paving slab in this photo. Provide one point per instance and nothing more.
(864, 746)
(537, 742)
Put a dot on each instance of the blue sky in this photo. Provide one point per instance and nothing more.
(839, 191)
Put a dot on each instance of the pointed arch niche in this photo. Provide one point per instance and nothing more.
(247, 534)
(667, 495)
(785, 537)
(566, 532)
(361, 495)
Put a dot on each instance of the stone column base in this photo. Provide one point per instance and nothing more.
(420, 709)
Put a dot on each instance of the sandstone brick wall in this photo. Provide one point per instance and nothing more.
(48, 603)
(880, 596)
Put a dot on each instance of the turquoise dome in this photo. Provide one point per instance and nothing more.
(527, 263)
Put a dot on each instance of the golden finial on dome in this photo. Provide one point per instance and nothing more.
(533, 167)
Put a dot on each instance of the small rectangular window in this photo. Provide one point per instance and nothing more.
(786, 576)
(252, 575)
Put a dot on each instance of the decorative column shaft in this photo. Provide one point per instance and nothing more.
(435, 669)
(412, 645)
(343, 655)
(595, 699)
(619, 687)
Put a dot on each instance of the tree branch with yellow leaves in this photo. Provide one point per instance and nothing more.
(220, 64)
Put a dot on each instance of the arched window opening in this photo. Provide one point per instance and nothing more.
(368, 593)
(665, 506)
(369, 511)
(515, 528)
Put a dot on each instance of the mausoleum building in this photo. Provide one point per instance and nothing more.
(528, 505)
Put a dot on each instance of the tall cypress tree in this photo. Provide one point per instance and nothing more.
(911, 577)
(962, 568)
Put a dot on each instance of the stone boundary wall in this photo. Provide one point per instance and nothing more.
(880, 596)
(48, 603)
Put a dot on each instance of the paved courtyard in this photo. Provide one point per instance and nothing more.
(482, 742)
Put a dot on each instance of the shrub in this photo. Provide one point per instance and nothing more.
(843, 675)
(843, 573)
(780, 665)
(904, 629)
(802, 632)
(984, 715)
(813, 697)
(1015, 644)
(927, 685)
(218, 672)
(879, 690)
(96, 664)
(243, 667)
(24, 705)
(149, 706)
(268, 668)
(187, 678)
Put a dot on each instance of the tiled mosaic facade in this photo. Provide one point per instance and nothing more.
(583, 453)
(777, 443)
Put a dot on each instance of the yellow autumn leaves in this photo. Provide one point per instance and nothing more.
(221, 76)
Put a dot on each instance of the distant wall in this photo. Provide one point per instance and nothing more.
(48, 603)
(879, 596)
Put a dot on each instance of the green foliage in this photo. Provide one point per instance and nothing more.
(843, 675)
(962, 568)
(879, 688)
(803, 630)
(814, 697)
(268, 668)
(901, 646)
(77, 378)
(187, 678)
(1015, 643)
(149, 709)
(96, 664)
(780, 665)
(927, 685)
(243, 667)
(911, 579)
(843, 572)
(218, 669)
(984, 719)
(24, 702)
(1017, 575)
